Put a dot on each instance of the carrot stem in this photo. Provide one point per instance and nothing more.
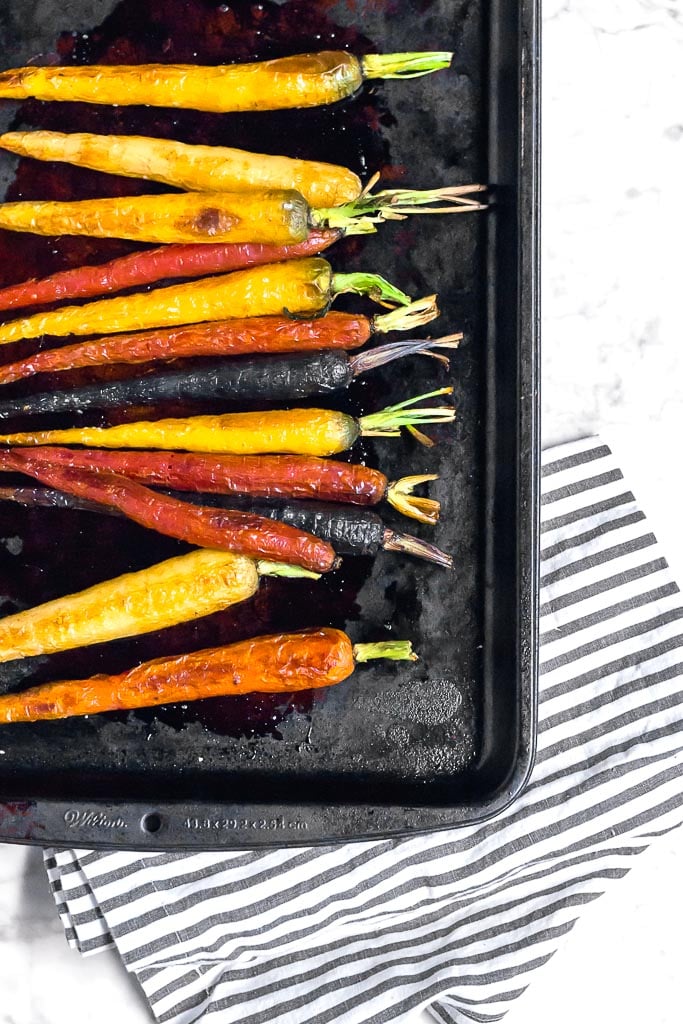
(393, 650)
(407, 318)
(417, 548)
(388, 422)
(375, 287)
(361, 215)
(400, 496)
(405, 65)
(283, 570)
(375, 357)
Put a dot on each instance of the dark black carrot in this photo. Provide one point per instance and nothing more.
(351, 531)
(48, 497)
(276, 378)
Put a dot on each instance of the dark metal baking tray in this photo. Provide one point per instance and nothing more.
(395, 750)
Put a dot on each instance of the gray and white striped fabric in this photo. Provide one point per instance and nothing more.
(457, 920)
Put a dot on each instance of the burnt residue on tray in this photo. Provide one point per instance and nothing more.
(414, 723)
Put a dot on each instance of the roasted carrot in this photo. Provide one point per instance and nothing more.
(152, 265)
(177, 590)
(352, 531)
(284, 662)
(269, 216)
(225, 530)
(305, 80)
(278, 217)
(48, 497)
(262, 334)
(257, 476)
(291, 431)
(269, 378)
(297, 287)
(194, 168)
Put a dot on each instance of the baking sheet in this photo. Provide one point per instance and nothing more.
(396, 748)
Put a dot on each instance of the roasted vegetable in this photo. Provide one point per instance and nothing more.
(48, 497)
(305, 80)
(154, 265)
(297, 287)
(351, 531)
(270, 378)
(291, 431)
(238, 532)
(195, 168)
(268, 216)
(177, 590)
(285, 662)
(259, 476)
(226, 338)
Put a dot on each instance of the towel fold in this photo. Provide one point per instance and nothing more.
(458, 920)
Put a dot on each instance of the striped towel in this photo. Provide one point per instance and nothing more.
(458, 920)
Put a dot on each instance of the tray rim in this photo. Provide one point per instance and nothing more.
(132, 825)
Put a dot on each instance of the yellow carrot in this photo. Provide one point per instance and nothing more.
(300, 287)
(274, 216)
(287, 431)
(305, 80)
(195, 168)
(256, 216)
(294, 431)
(177, 590)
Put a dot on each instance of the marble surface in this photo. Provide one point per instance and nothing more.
(613, 363)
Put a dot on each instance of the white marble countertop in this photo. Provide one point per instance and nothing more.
(612, 363)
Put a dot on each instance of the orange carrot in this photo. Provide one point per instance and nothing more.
(237, 337)
(284, 662)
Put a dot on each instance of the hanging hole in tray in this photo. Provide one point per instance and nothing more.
(151, 823)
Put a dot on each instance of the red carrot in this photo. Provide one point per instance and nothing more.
(226, 530)
(259, 476)
(167, 261)
(256, 334)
